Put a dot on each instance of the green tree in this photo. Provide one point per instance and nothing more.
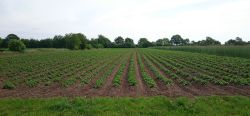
(8, 38)
(89, 46)
(33, 43)
(144, 43)
(16, 45)
(26, 42)
(46, 43)
(185, 41)
(119, 41)
(237, 41)
(129, 43)
(73, 42)
(1, 41)
(59, 41)
(163, 42)
(104, 41)
(176, 40)
(208, 42)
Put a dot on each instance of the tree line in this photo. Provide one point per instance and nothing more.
(75, 41)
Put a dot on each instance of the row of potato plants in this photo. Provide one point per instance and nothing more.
(211, 73)
(48, 68)
(145, 76)
(168, 69)
(131, 72)
(221, 77)
(119, 74)
(200, 78)
(156, 72)
(107, 72)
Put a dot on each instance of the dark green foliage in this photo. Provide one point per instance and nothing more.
(163, 42)
(75, 41)
(8, 38)
(238, 41)
(129, 43)
(104, 41)
(208, 42)
(16, 45)
(89, 46)
(46, 43)
(176, 40)
(8, 85)
(144, 43)
(119, 41)
(59, 41)
(1, 41)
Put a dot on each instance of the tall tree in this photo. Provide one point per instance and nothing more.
(59, 41)
(176, 40)
(119, 41)
(8, 38)
(129, 43)
(209, 41)
(185, 41)
(46, 43)
(163, 42)
(103, 41)
(237, 41)
(1, 41)
(144, 43)
(73, 42)
(33, 43)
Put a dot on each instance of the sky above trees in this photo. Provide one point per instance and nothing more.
(153, 19)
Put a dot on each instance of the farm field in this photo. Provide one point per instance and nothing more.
(121, 72)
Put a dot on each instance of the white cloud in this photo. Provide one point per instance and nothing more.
(154, 19)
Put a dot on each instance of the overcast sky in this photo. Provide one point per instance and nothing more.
(153, 19)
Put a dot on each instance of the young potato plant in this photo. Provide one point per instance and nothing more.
(131, 72)
(148, 80)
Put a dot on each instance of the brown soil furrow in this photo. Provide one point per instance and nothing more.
(105, 90)
(125, 89)
(89, 89)
(161, 88)
(235, 90)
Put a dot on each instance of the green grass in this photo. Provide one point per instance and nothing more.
(234, 51)
(213, 105)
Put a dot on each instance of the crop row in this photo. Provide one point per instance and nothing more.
(131, 71)
(193, 67)
(145, 76)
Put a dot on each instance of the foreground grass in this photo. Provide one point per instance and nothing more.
(213, 105)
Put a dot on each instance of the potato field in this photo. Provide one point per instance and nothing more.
(122, 72)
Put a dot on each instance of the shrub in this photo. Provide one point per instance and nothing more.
(89, 46)
(8, 85)
(16, 45)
